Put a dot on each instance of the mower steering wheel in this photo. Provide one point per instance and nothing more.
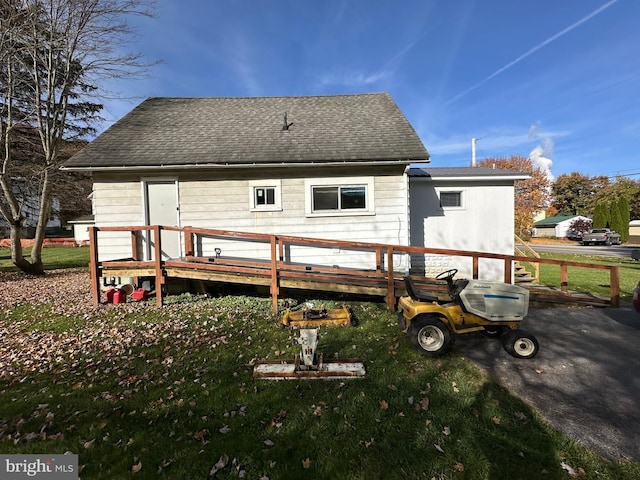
(447, 274)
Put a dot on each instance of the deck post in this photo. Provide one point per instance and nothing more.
(188, 242)
(157, 252)
(615, 286)
(391, 290)
(378, 260)
(564, 278)
(508, 262)
(94, 266)
(274, 273)
(134, 245)
(134, 251)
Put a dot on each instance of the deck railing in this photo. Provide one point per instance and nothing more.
(277, 269)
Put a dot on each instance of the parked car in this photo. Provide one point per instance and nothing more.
(574, 234)
(601, 235)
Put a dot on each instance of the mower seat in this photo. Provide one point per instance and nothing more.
(416, 294)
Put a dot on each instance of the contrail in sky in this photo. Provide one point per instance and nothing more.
(534, 50)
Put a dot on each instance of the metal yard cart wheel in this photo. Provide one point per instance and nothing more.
(520, 344)
(429, 336)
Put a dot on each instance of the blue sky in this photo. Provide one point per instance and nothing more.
(557, 81)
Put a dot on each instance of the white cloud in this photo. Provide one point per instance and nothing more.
(539, 156)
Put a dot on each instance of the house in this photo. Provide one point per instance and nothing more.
(557, 226)
(80, 227)
(321, 167)
(331, 167)
(464, 208)
(29, 199)
(634, 232)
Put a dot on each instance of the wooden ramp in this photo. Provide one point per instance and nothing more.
(276, 273)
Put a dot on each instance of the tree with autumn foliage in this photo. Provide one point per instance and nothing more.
(531, 195)
(573, 194)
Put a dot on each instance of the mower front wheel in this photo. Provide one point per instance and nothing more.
(520, 344)
(429, 336)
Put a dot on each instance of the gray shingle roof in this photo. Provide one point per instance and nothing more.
(240, 131)
(469, 173)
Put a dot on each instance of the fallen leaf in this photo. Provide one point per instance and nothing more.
(306, 463)
(569, 469)
(220, 464)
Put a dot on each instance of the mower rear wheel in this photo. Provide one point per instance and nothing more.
(429, 336)
(520, 344)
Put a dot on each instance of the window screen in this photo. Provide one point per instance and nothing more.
(450, 199)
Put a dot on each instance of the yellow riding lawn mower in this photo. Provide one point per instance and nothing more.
(492, 308)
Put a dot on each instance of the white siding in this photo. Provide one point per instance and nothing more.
(226, 204)
(484, 223)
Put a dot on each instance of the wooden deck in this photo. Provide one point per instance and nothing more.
(276, 273)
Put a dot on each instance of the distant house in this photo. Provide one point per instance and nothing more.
(29, 201)
(333, 167)
(634, 231)
(557, 226)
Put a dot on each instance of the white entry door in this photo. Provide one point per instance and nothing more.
(161, 201)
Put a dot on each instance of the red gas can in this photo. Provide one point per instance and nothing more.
(110, 293)
(120, 296)
(139, 294)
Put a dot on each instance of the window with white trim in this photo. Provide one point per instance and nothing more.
(344, 196)
(265, 195)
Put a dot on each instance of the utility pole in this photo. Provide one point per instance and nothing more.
(473, 152)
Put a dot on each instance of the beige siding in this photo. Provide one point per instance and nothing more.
(116, 203)
(226, 205)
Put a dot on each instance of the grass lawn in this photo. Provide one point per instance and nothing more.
(146, 392)
(52, 257)
(592, 280)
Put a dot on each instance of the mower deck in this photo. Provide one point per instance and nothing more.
(315, 317)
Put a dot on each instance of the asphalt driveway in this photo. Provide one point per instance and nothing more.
(585, 379)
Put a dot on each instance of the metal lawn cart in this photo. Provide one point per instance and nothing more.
(493, 308)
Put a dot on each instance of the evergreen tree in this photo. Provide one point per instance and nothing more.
(625, 216)
(601, 216)
(616, 218)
